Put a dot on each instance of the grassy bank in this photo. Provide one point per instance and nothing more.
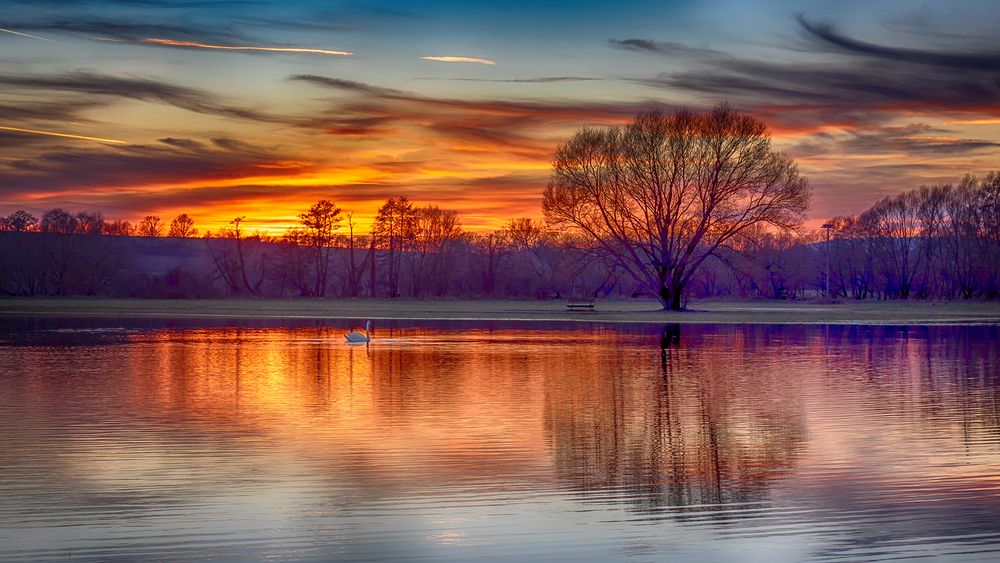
(900, 313)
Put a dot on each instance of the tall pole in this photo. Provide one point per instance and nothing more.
(827, 227)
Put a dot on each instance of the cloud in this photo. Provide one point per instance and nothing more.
(130, 31)
(518, 128)
(346, 85)
(12, 32)
(54, 173)
(186, 144)
(48, 110)
(852, 111)
(63, 135)
(669, 48)
(852, 76)
(459, 60)
(914, 139)
(535, 80)
(826, 35)
(247, 48)
(144, 89)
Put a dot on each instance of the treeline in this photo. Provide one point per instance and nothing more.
(410, 251)
(936, 242)
(60, 221)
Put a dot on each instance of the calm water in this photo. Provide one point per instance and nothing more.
(455, 441)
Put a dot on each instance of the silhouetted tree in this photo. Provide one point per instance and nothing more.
(354, 268)
(58, 221)
(295, 262)
(433, 232)
(90, 223)
(150, 226)
(494, 251)
(19, 221)
(320, 224)
(182, 227)
(393, 228)
(892, 226)
(119, 228)
(665, 193)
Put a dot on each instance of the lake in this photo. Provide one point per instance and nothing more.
(226, 440)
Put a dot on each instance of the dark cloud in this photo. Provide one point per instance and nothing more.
(335, 123)
(535, 80)
(144, 89)
(128, 31)
(670, 48)
(172, 161)
(63, 110)
(345, 85)
(217, 22)
(505, 126)
(977, 60)
(848, 77)
(914, 139)
(14, 140)
(187, 144)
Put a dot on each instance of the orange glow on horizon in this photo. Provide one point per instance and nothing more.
(985, 121)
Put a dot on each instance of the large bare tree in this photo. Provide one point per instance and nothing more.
(663, 194)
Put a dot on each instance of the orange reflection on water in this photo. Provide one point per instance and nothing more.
(805, 431)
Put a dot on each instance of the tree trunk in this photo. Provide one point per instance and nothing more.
(670, 294)
(675, 301)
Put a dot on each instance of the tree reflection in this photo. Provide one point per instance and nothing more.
(690, 434)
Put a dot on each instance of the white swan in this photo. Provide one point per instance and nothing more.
(357, 337)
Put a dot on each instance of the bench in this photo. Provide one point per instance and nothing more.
(580, 303)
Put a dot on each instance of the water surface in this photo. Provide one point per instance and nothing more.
(225, 440)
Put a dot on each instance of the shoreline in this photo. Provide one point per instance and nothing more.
(901, 313)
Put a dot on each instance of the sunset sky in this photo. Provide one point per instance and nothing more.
(259, 108)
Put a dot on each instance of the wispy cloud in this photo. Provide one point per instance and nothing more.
(65, 135)
(459, 60)
(12, 32)
(534, 80)
(670, 48)
(145, 89)
(346, 85)
(196, 45)
(118, 170)
(515, 129)
(125, 30)
(857, 80)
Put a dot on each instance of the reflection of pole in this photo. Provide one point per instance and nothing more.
(826, 285)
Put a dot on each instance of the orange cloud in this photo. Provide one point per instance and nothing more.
(459, 60)
(173, 43)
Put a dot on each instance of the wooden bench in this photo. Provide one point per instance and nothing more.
(580, 303)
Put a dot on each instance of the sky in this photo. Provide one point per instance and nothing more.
(259, 108)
